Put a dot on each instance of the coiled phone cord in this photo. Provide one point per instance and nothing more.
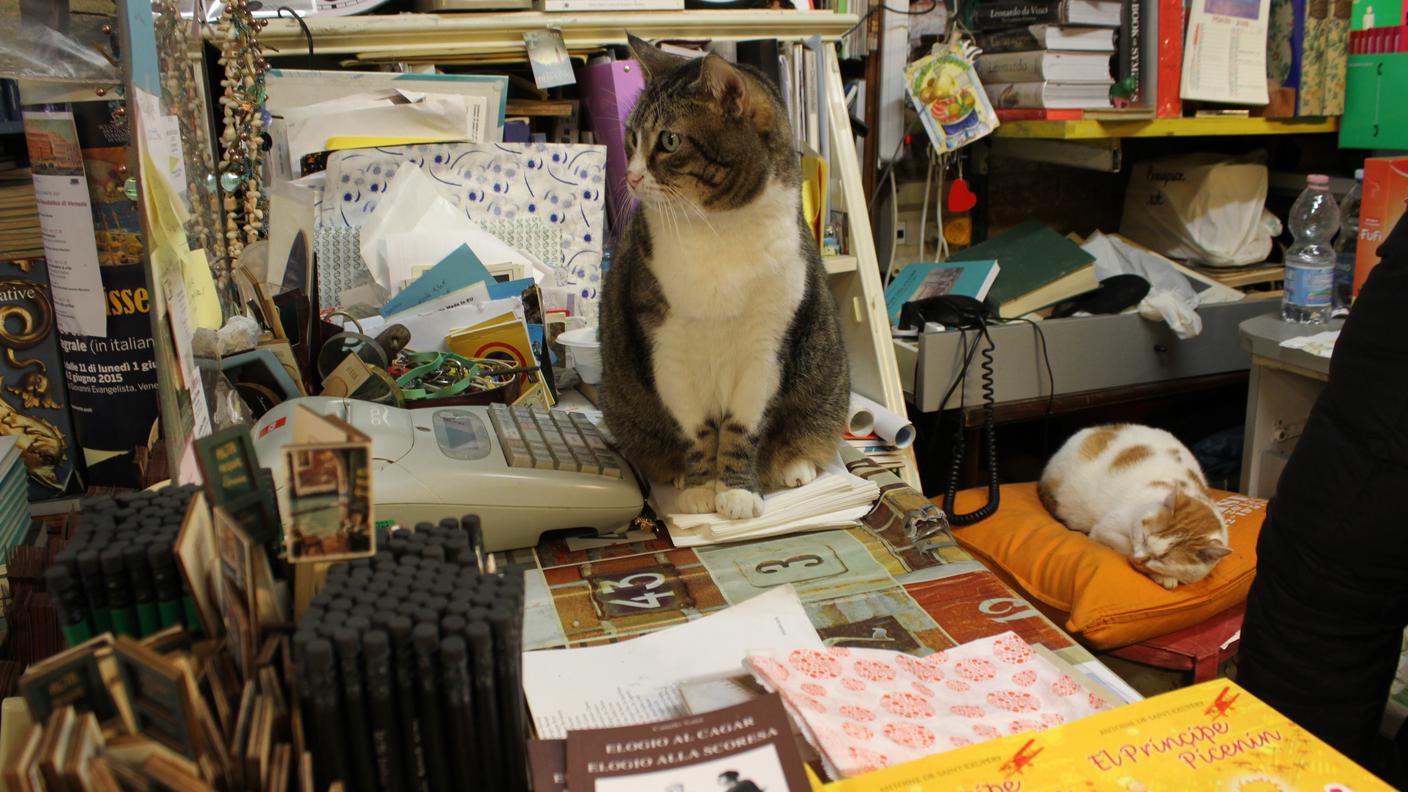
(989, 435)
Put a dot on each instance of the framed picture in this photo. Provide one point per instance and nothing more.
(329, 503)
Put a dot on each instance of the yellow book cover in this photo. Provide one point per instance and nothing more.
(1214, 736)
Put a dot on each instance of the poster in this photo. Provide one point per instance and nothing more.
(67, 221)
(33, 398)
(102, 305)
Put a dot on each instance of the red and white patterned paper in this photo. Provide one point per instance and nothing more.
(863, 709)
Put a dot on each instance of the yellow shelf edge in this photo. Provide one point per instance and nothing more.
(838, 264)
(465, 33)
(1092, 129)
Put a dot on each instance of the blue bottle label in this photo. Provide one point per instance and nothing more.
(1311, 287)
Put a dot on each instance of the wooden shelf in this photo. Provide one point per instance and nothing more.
(838, 264)
(1090, 129)
(374, 37)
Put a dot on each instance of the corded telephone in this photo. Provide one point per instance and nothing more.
(964, 314)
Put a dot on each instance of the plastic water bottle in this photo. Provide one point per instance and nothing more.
(1347, 242)
(1310, 260)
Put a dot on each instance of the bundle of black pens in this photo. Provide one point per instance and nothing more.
(118, 573)
(410, 668)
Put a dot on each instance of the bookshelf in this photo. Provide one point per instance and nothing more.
(855, 278)
(1092, 129)
(419, 35)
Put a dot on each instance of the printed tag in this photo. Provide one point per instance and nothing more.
(547, 52)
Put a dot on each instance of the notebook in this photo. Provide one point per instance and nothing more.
(1039, 268)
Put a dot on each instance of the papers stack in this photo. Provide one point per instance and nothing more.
(835, 498)
(14, 497)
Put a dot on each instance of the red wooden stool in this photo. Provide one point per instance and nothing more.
(1201, 648)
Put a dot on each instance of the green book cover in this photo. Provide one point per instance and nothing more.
(1030, 256)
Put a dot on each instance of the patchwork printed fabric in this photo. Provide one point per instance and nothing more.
(864, 709)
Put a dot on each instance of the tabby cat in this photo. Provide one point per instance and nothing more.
(723, 365)
(1140, 491)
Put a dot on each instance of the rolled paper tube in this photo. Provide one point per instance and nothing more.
(860, 421)
(893, 429)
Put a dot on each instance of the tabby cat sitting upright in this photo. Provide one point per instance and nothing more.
(1140, 491)
(723, 365)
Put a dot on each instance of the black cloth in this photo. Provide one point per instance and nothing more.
(1326, 613)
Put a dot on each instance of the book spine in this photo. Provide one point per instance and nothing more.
(1337, 57)
(1170, 58)
(1128, 79)
(1018, 39)
(1012, 67)
(1037, 114)
(1311, 100)
(1011, 13)
(1025, 94)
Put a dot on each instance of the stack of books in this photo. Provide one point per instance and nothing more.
(835, 498)
(20, 236)
(1052, 56)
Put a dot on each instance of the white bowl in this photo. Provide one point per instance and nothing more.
(585, 349)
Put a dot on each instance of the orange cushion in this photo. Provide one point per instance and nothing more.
(1090, 587)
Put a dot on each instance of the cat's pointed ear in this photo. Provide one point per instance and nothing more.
(652, 59)
(1211, 553)
(723, 81)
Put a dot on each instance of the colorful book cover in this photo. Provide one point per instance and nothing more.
(1336, 64)
(1311, 99)
(1385, 190)
(1209, 736)
(921, 281)
(1285, 45)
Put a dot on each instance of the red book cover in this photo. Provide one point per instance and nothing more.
(1170, 58)
(1037, 114)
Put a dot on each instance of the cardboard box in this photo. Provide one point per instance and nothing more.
(1385, 191)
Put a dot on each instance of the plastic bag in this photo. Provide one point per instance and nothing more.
(42, 53)
(1172, 297)
(1204, 208)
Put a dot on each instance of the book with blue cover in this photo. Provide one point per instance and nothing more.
(919, 281)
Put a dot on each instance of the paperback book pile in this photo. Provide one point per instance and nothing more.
(1049, 54)
(19, 217)
(834, 498)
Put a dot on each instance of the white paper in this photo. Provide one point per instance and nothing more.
(414, 226)
(1320, 344)
(859, 420)
(439, 117)
(636, 681)
(66, 220)
(1224, 57)
(890, 427)
(428, 329)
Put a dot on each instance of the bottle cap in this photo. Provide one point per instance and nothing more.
(1318, 181)
(1359, 174)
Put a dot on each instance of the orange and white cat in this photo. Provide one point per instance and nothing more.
(1138, 490)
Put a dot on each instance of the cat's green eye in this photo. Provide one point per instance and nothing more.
(669, 141)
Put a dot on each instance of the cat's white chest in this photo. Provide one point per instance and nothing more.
(733, 285)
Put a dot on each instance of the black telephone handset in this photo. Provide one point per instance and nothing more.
(964, 314)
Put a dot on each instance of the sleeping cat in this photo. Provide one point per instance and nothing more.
(723, 365)
(1140, 491)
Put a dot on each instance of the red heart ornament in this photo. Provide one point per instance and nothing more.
(961, 197)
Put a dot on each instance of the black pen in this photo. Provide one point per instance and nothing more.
(464, 754)
(322, 675)
(506, 619)
(414, 764)
(354, 711)
(432, 732)
(376, 651)
(481, 647)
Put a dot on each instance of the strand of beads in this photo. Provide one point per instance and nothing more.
(180, 92)
(242, 139)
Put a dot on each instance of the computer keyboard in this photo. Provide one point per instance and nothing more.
(532, 437)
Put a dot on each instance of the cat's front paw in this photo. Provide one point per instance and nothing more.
(739, 504)
(1165, 581)
(698, 500)
(798, 473)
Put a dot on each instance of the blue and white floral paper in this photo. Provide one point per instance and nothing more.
(561, 184)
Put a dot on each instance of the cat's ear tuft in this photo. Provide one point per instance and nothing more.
(726, 84)
(652, 59)
(1211, 553)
